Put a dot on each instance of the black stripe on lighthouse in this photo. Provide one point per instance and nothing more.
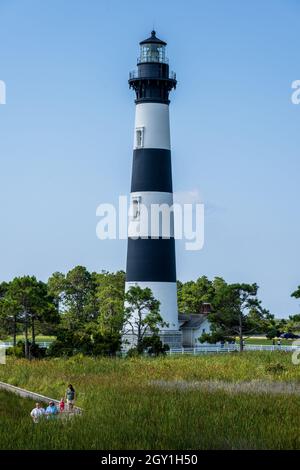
(151, 259)
(151, 170)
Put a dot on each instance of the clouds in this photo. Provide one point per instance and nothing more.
(194, 196)
(189, 196)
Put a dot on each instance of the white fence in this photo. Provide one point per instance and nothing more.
(201, 349)
(218, 348)
(9, 344)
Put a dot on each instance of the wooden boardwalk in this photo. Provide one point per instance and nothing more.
(34, 396)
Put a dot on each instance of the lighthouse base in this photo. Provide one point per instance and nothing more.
(173, 338)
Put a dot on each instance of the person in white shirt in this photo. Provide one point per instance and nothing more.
(37, 413)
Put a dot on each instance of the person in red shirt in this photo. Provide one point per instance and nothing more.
(62, 405)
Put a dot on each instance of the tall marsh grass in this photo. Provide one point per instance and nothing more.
(124, 411)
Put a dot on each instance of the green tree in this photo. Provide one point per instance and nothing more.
(294, 320)
(192, 295)
(30, 302)
(9, 317)
(272, 333)
(296, 293)
(78, 287)
(236, 312)
(8, 313)
(110, 292)
(293, 323)
(75, 296)
(142, 317)
(56, 288)
(91, 307)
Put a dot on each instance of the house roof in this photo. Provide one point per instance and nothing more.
(193, 320)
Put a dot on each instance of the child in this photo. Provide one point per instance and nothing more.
(62, 405)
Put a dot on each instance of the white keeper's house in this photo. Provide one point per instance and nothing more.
(193, 326)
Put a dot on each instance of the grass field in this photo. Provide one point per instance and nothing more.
(13, 408)
(38, 338)
(126, 409)
(262, 340)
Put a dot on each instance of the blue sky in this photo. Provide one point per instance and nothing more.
(66, 133)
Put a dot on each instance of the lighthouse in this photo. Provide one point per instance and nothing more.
(151, 252)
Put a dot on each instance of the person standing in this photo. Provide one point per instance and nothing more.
(62, 405)
(37, 413)
(51, 410)
(70, 396)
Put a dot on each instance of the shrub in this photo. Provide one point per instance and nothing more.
(133, 352)
(272, 333)
(106, 345)
(154, 346)
(275, 368)
(59, 349)
(69, 343)
(17, 351)
(151, 345)
(35, 350)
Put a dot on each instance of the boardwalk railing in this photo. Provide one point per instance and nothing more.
(34, 396)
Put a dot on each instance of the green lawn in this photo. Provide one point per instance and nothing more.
(39, 338)
(262, 340)
(124, 409)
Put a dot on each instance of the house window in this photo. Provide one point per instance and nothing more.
(139, 140)
(135, 208)
(203, 330)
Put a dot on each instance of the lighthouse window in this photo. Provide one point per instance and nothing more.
(135, 208)
(153, 53)
(139, 138)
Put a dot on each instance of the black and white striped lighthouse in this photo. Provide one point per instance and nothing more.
(151, 259)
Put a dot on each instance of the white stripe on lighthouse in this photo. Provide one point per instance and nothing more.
(153, 216)
(152, 119)
(166, 293)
